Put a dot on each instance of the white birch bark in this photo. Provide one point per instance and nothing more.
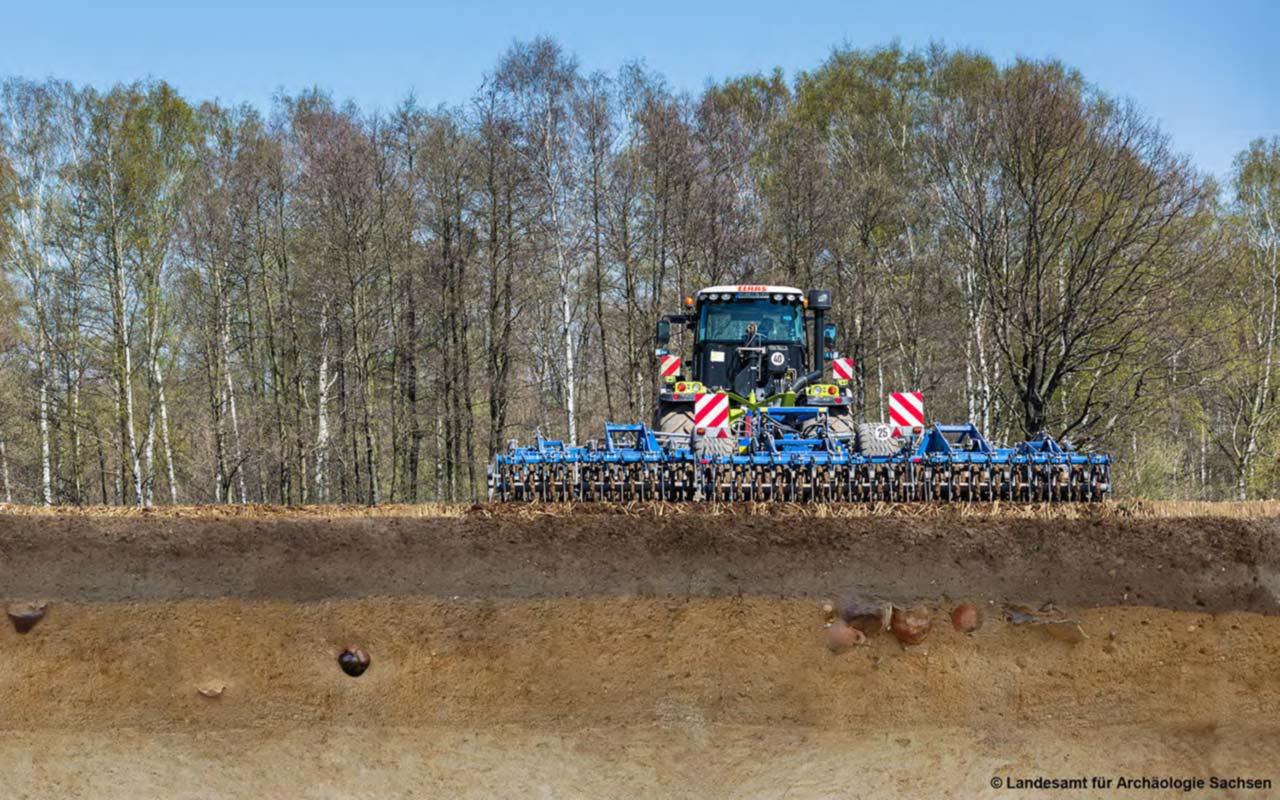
(4, 472)
(165, 439)
(323, 384)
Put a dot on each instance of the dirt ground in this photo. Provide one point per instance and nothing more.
(1212, 563)
(633, 655)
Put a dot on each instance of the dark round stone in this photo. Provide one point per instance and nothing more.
(353, 661)
(24, 616)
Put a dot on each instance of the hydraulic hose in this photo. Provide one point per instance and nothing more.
(806, 380)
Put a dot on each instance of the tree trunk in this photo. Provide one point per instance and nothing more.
(165, 439)
(46, 474)
(566, 318)
(4, 472)
(320, 482)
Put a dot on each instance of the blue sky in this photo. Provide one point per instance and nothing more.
(1207, 71)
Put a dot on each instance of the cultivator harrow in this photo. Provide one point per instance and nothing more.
(944, 463)
(751, 415)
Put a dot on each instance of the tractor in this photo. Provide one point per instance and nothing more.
(752, 415)
(762, 347)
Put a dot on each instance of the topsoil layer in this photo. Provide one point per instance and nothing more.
(1199, 563)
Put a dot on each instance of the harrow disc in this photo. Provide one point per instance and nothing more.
(945, 464)
(719, 478)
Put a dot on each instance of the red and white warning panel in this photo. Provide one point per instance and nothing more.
(842, 369)
(906, 411)
(669, 366)
(711, 415)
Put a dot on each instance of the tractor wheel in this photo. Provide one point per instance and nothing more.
(877, 439)
(839, 424)
(714, 446)
(674, 420)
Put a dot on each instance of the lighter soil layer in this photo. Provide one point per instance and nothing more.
(616, 696)
(692, 759)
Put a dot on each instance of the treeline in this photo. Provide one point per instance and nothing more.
(317, 303)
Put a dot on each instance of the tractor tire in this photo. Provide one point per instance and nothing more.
(707, 446)
(877, 439)
(674, 420)
(840, 426)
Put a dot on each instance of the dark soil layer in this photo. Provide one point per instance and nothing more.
(1202, 563)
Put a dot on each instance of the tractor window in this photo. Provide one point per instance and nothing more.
(778, 323)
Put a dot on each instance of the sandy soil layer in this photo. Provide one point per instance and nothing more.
(1198, 563)
(618, 697)
(748, 661)
(701, 762)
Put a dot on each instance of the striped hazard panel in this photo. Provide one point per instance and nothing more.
(906, 411)
(711, 411)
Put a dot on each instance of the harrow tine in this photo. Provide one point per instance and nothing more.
(829, 471)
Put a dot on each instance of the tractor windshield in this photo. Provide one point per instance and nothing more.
(777, 323)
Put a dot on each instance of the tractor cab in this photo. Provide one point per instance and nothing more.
(749, 338)
(758, 346)
(752, 340)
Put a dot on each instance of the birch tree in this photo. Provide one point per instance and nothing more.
(542, 82)
(1246, 386)
(31, 138)
(1082, 223)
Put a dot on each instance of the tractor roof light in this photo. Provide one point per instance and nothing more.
(688, 301)
(777, 298)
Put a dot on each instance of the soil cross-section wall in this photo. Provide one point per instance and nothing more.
(632, 652)
(1200, 563)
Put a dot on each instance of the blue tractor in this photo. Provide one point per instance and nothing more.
(763, 410)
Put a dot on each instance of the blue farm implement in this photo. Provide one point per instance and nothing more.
(752, 419)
